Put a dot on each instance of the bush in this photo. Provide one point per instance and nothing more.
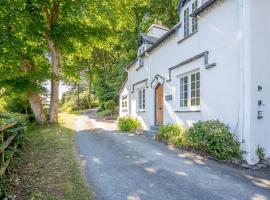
(110, 105)
(101, 107)
(128, 124)
(172, 133)
(104, 113)
(260, 153)
(214, 138)
(94, 104)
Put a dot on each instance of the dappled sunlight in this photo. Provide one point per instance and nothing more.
(158, 154)
(96, 160)
(200, 160)
(150, 170)
(180, 173)
(133, 197)
(141, 161)
(258, 197)
(188, 162)
(264, 183)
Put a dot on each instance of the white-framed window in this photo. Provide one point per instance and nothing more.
(194, 19)
(186, 22)
(184, 91)
(124, 102)
(190, 91)
(141, 99)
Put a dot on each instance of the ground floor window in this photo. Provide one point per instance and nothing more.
(190, 90)
(124, 102)
(141, 99)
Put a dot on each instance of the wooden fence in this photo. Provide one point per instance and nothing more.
(4, 144)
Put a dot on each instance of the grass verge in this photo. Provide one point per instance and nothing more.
(47, 167)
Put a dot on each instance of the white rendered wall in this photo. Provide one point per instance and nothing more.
(260, 74)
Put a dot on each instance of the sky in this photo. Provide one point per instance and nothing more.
(63, 88)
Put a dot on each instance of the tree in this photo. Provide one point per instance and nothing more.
(23, 65)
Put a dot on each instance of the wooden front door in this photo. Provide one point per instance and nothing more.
(159, 105)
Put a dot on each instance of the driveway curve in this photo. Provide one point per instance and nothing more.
(122, 166)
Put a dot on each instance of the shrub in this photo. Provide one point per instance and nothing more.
(110, 105)
(101, 107)
(128, 124)
(94, 104)
(214, 138)
(104, 113)
(173, 134)
(260, 153)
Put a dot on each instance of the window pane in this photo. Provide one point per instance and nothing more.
(195, 89)
(184, 91)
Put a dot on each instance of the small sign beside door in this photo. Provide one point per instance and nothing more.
(168, 97)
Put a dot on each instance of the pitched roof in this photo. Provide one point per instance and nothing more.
(122, 86)
(181, 4)
(164, 37)
(149, 39)
(203, 7)
(157, 43)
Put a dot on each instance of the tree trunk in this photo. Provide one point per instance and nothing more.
(52, 16)
(56, 66)
(35, 102)
(78, 96)
(90, 92)
(34, 97)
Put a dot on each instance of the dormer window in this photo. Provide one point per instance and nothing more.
(194, 19)
(186, 22)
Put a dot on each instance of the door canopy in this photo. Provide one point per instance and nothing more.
(157, 80)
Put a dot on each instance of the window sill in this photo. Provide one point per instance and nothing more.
(125, 110)
(180, 41)
(137, 69)
(189, 109)
(141, 111)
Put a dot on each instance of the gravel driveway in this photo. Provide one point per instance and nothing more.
(121, 166)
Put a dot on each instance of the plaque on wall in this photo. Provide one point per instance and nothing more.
(168, 97)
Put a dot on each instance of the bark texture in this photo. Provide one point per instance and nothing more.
(36, 106)
(34, 97)
(56, 67)
(52, 16)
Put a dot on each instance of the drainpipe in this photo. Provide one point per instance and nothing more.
(245, 131)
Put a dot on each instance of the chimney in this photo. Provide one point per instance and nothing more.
(157, 29)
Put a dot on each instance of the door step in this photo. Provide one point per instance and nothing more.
(154, 128)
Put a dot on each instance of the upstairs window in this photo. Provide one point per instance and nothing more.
(194, 19)
(141, 99)
(186, 22)
(190, 90)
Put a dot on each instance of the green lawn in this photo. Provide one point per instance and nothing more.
(47, 167)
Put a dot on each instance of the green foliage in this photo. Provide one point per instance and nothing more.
(102, 106)
(104, 113)
(172, 133)
(212, 137)
(110, 105)
(128, 124)
(260, 153)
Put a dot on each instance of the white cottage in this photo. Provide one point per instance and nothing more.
(214, 64)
